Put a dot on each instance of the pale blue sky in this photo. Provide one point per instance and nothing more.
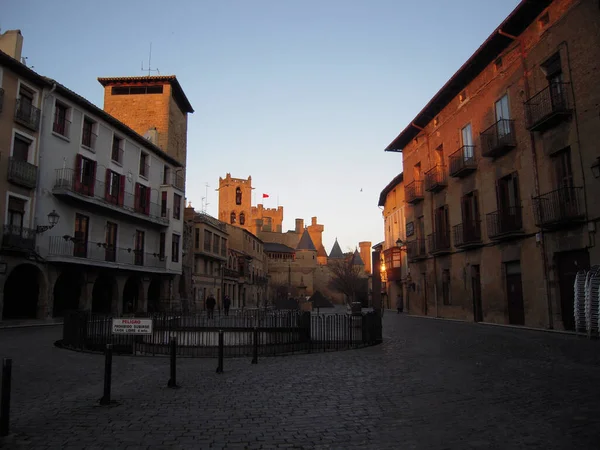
(302, 95)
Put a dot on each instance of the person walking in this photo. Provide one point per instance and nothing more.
(226, 304)
(210, 306)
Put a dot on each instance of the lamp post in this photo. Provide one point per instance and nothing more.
(53, 219)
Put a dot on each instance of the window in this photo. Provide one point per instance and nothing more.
(498, 63)
(144, 168)
(88, 137)
(116, 154)
(470, 209)
(232, 217)
(166, 174)
(446, 287)
(502, 116)
(175, 248)
(110, 240)
(85, 175)
(223, 247)
(462, 97)
(163, 204)
(114, 187)
(21, 148)
(562, 169)
(216, 242)
(81, 235)
(16, 214)
(142, 199)
(61, 124)
(207, 240)
(139, 247)
(242, 218)
(136, 90)
(26, 112)
(466, 135)
(552, 68)
(439, 156)
(176, 206)
(238, 196)
(197, 238)
(417, 172)
(507, 191)
(162, 246)
(442, 222)
(544, 20)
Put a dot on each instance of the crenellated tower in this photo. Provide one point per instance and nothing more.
(235, 202)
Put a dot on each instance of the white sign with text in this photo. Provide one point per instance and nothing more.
(132, 326)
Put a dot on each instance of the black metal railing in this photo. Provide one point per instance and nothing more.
(88, 138)
(1, 99)
(435, 178)
(116, 153)
(414, 191)
(559, 207)
(27, 115)
(467, 233)
(463, 161)
(70, 247)
(439, 242)
(18, 238)
(505, 221)
(22, 173)
(61, 125)
(277, 332)
(67, 179)
(548, 106)
(416, 249)
(177, 181)
(498, 139)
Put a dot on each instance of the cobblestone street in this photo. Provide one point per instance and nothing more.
(432, 384)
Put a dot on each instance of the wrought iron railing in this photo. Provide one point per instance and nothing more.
(554, 100)
(230, 273)
(467, 233)
(435, 178)
(88, 138)
(498, 138)
(116, 153)
(558, 207)
(61, 125)
(18, 238)
(414, 191)
(416, 249)
(27, 115)
(22, 173)
(439, 242)
(144, 170)
(463, 161)
(505, 221)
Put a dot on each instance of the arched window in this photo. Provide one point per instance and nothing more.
(232, 218)
(242, 218)
(238, 196)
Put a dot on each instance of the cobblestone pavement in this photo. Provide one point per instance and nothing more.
(431, 385)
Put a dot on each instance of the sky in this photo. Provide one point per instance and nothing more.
(303, 96)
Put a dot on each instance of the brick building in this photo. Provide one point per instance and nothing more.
(499, 172)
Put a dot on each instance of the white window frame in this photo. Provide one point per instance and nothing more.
(26, 215)
(31, 155)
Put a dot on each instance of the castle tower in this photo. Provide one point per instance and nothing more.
(153, 106)
(365, 254)
(336, 251)
(316, 234)
(270, 219)
(235, 202)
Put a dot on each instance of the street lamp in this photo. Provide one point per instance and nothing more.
(596, 168)
(53, 218)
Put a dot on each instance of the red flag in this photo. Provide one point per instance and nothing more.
(265, 195)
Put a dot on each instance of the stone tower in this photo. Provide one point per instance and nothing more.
(365, 254)
(153, 106)
(235, 202)
(316, 234)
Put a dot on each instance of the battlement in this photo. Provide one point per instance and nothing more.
(229, 179)
(273, 211)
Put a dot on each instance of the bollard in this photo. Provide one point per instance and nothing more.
(255, 347)
(5, 396)
(173, 380)
(105, 400)
(220, 366)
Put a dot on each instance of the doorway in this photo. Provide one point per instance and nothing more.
(514, 293)
(476, 291)
(567, 266)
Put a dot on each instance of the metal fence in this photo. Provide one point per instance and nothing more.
(277, 333)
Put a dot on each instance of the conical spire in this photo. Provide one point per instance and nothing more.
(356, 259)
(336, 251)
(306, 242)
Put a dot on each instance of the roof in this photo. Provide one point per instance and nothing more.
(356, 259)
(275, 247)
(391, 185)
(321, 251)
(202, 217)
(306, 242)
(336, 251)
(517, 21)
(178, 94)
(21, 69)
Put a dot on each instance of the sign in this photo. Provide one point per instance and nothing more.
(132, 326)
(410, 228)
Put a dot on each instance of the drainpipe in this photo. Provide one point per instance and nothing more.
(431, 211)
(535, 174)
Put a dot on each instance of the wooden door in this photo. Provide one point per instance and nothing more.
(514, 293)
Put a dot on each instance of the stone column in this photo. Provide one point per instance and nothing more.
(143, 296)
(117, 301)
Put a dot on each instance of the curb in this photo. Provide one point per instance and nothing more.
(30, 325)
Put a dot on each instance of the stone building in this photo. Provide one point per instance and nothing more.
(498, 173)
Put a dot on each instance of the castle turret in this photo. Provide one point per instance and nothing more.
(365, 254)
(235, 202)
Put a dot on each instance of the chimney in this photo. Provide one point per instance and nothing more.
(314, 221)
(299, 226)
(11, 43)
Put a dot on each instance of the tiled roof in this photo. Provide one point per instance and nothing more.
(275, 247)
(336, 251)
(306, 242)
(356, 259)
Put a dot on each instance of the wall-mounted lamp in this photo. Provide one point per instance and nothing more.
(596, 168)
(53, 218)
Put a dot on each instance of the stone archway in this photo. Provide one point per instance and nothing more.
(22, 290)
(132, 294)
(67, 292)
(103, 293)
(154, 295)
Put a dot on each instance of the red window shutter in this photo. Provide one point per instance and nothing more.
(147, 211)
(107, 185)
(93, 180)
(137, 197)
(122, 190)
(77, 174)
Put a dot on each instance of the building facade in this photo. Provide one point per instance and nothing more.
(498, 173)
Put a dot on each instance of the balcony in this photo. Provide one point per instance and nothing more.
(436, 179)
(463, 161)
(230, 273)
(174, 179)
(116, 154)
(467, 234)
(549, 107)
(15, 238)
(61, 126)
(416, 250)
(505, 223)
(1, 99)
(88, 139)
(22, 173)
(559, 208)
(439, 243)
(393, 263)
(27, 115)
(498, 139)
(69, 249)
(414, 192)
(95, 193)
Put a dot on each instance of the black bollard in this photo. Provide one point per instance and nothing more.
(173, 380)
(5, 399)
(221, 349)
(255, 347)
(105, 400)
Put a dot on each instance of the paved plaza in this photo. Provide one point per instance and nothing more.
(432, 384)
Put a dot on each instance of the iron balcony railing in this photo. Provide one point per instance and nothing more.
(463, 161)
(548, 107)
(416, 249)
(144, 170)
(71, 247)
(227, 272)
(559, 207)
(435, 178)
(414, 191)
(27, 115)
(504, 222)
(498, 139)
(18, 238)
(439, 243)
(61, 125)
(116, 154)
(22, 173)
(67, 180)
(1, 99)
(88, 138)
(467, 233)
